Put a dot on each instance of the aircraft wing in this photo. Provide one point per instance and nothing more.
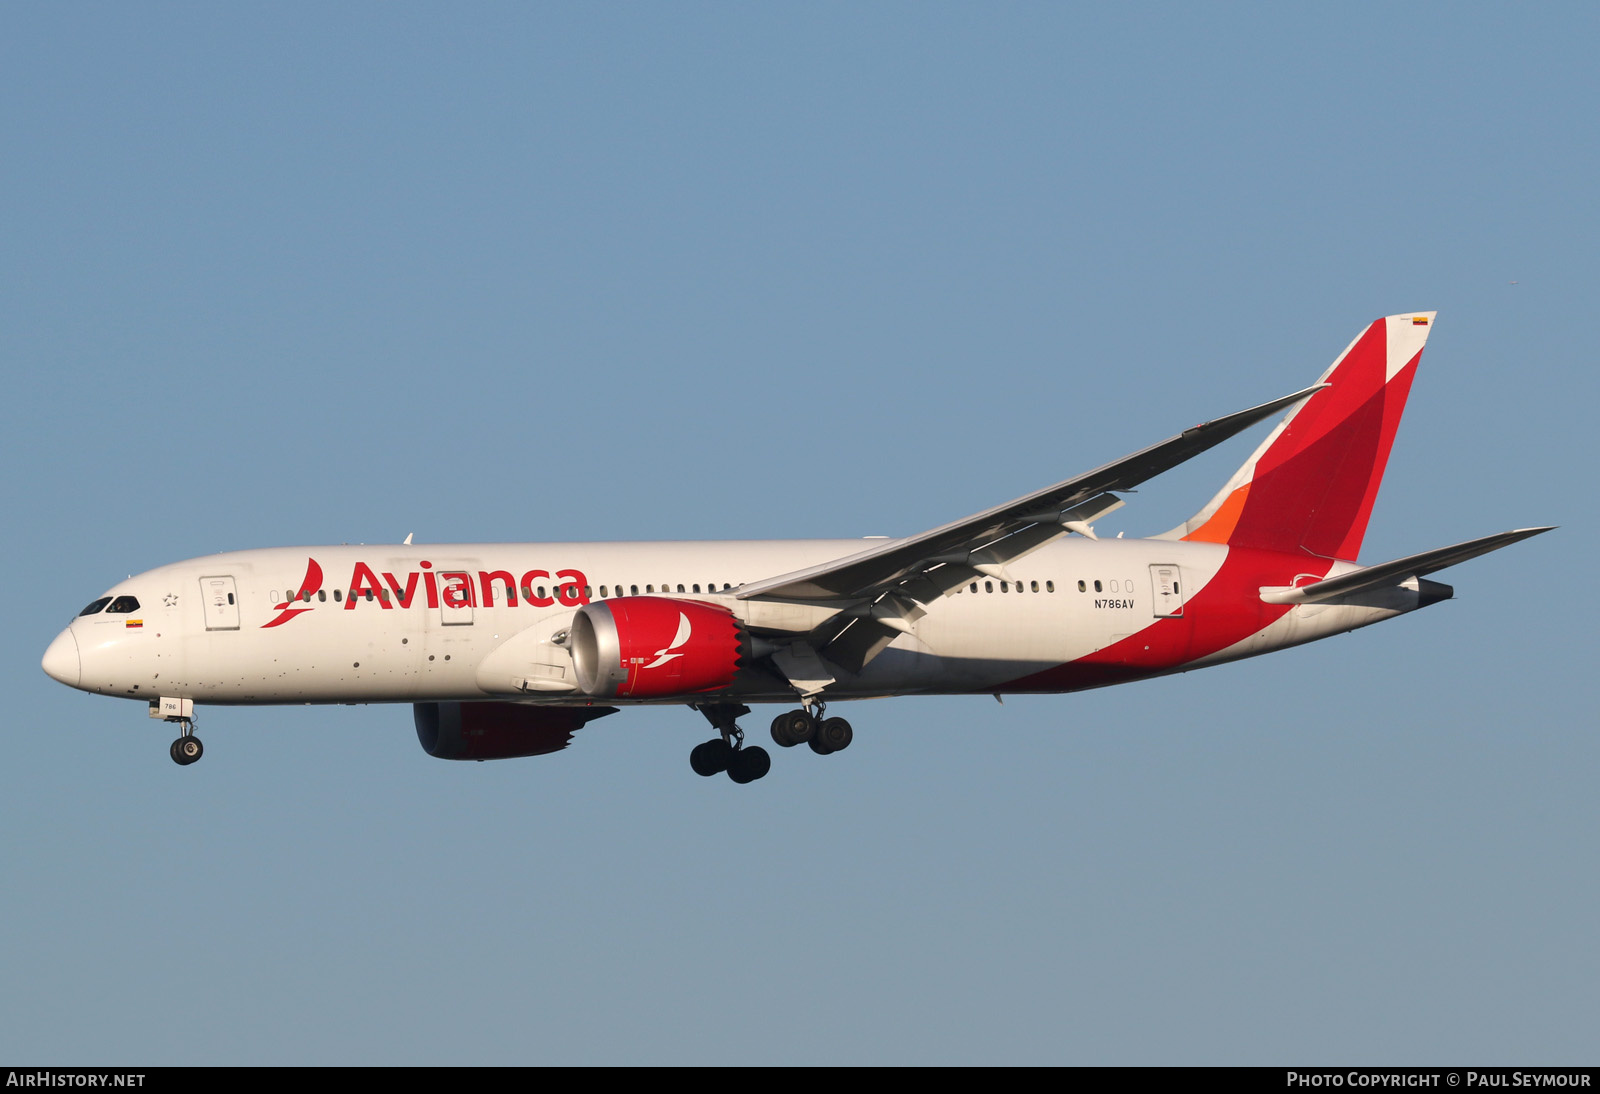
(879, 591)
(984, 542)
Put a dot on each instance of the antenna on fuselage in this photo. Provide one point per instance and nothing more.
(408, 539)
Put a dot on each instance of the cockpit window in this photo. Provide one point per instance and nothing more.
(96, 606)
(122, 605)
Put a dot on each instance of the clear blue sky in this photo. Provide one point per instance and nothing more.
(298, 274)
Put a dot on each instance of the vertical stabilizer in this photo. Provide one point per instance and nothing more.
(1312, 483)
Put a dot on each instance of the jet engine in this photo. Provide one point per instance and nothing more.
(498, 731)
(651, 647)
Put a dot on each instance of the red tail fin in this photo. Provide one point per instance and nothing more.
(1311, 485)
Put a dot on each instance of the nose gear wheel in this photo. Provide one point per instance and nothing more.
(187, 748)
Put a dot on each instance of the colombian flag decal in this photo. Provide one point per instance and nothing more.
(134, 624)
(1419, 320)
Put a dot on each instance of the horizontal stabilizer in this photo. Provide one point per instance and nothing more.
(1393, 573)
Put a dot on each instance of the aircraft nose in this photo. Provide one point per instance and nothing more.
(61, 659)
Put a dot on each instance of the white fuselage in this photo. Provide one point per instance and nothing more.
(476, 621)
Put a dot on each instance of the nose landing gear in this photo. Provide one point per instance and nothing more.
(187, 748)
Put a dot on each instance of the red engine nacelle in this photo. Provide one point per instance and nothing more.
(498, 731)
(650, 647)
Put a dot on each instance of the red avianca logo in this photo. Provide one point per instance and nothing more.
(439, 589)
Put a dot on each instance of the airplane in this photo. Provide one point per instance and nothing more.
(507, 650)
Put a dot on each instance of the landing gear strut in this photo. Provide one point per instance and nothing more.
(728, 752)
(808, 726)
(187, 748)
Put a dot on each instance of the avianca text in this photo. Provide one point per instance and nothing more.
(436, 588)
(465, 588)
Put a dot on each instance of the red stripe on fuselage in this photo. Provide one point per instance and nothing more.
(1225, 612)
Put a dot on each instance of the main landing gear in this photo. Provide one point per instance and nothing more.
(746, 764)
(809, 727)
(187, 748)
(728, 752)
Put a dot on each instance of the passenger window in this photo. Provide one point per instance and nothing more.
(1035, 586)
(1097, 587)
(1080, 586)
(322, 597)
(588, 593)
(680, 588)
(1049, 586)
(337, 599)
(697, 588)
(649, 588)
(96, 606)
(1114, 587)
(633, 590)
(988, 586)
(122, 605)
(974, 586)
